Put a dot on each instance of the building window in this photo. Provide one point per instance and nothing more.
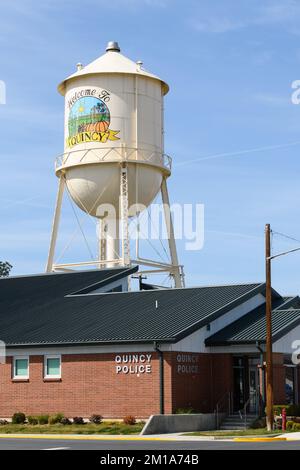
(21, 368)
(52, 367)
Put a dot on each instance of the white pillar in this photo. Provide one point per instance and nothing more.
(124, 216)
(55, 225)
(170, 232)
(101, 239)
(112, 242)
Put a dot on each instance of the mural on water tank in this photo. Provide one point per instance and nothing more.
(89, 119)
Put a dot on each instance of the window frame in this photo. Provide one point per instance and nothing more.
(52, 356)
(20, 377)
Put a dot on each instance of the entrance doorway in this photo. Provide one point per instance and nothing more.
(253, 389)
(246, 389)
(238, 383)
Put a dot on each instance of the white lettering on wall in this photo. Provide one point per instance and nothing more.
(133, 364)
(187, 364)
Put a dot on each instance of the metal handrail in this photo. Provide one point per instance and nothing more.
(116, 154)
(220, 402)
(244, 409)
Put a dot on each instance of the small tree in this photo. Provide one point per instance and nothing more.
(5, 268)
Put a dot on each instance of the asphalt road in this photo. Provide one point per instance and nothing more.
(60, 444)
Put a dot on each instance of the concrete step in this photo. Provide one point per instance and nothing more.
(238, 421)
(234, 422)
(237, 418)
(233, 428)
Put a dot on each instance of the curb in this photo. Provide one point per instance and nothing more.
(82, 437)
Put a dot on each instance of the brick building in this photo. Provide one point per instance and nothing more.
(81, 343)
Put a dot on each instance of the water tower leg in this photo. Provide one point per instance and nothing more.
(55, 225)
(102, 245)
(124, 216)
(171, 237)
(112, 243)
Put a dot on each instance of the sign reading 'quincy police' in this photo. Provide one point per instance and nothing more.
(187, 364)
(133, 364)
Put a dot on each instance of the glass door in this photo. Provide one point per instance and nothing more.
(253, 389)
(238, 383)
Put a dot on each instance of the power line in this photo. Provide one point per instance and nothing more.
(286, 236)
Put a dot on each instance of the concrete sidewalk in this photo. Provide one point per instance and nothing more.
(109, 437)
(291, 436)
(86, 437)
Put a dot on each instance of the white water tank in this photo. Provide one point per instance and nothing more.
(113, 113)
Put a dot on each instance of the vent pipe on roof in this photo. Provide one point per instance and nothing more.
(113, 46)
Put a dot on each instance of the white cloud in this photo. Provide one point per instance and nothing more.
(279, 12)
(272, 99)
(217, 25)
(259, 13)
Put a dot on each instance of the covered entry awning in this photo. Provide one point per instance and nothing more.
(251, 328)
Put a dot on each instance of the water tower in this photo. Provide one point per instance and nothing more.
(113, 163)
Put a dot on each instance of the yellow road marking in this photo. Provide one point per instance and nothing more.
(259, 439)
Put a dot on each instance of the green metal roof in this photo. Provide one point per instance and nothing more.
(39, 310)
(252, 327)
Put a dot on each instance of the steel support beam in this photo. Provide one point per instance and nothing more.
(55, 224)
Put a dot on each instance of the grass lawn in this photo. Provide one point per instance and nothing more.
(88, 428)
(246, 432)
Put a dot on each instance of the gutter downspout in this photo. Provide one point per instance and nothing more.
(261, 360)
(161, 378)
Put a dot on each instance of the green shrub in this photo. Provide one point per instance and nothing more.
(129, 420)
(291, 410)
(32, 420)
(185, 411)
(296, 427)
(43, 419)
(18, 418)
(289, 425)
(56, 419)
(96, 419)
(78, 420)
(259, 423)
(65, 421)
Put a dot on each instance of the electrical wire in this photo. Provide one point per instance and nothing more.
(286, 236)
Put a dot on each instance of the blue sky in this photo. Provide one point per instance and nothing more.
(230, 65)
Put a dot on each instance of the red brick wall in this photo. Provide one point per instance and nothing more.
(222, 377)
(191, 381)
(89, 385)
(202, 387)
(278, 379)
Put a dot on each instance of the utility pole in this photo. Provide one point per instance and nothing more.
(269, 353)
